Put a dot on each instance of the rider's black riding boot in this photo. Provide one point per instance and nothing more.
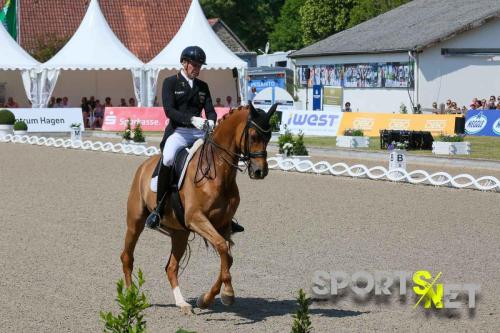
(236, 227)
(163, 187)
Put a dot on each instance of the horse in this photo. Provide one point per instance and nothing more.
(209, 195)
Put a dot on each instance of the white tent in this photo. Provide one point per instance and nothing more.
(14, 58)
(93, 47)
(195, 30)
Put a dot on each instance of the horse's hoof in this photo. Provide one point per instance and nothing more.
(200, 302)
(227, 299)
(187, 309)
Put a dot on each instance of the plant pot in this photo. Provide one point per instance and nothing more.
(300, 157)
(76, 134)
(20, 132)
(6, 129)
(451, 148)
(353, 141)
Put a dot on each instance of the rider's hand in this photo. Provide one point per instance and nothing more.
(198, 122)
(211, 124)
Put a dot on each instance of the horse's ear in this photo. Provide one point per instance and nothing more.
(272, 110)
(253, 112)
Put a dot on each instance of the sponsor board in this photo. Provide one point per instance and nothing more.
(324, 123)
(483, 122)
(49, 119)
(150, 118)
(372, 123)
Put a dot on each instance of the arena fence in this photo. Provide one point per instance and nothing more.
(461, 181)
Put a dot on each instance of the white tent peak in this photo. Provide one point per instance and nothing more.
(13, 56)
(94, 46)
(195, 30)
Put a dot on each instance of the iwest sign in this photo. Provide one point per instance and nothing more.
(324, 123)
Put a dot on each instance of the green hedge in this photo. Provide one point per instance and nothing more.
(7, 117)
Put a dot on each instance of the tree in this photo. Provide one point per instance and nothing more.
(47, 47)
(287, 33)
(367, 9)
(250, 20)
(322, 18)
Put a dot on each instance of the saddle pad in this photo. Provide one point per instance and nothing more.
(190, 155)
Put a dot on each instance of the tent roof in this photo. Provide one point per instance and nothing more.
(196, 30)
(94, 46)
(12, 56)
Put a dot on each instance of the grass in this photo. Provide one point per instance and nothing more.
(482, 147)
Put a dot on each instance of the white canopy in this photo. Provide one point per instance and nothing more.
(13, 56)
(94, 46)
(196, 30)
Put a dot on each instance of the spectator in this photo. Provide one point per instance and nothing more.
(229, 101)
(484, 105)
(498, 106)
(92, 103)
(218, 103)
(85, 111)
(435, 109)
(347, 107)
(59, 103)
(253, 92)
(123, 102)
(11, 103)
(107, 102)
(52, 102)
(473, 106)
(98, 115)
(491, 103)
(131, 102)
(65, 102)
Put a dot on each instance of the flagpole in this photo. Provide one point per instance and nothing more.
(18, 21)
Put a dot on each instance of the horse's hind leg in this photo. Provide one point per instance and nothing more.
(205, 229)
(179, 244)
(136, 218)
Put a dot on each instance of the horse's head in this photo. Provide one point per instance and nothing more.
(257, 134)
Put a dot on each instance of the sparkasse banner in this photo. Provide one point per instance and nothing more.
(49, 119)
(324, 123)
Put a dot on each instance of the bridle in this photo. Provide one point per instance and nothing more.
(228, 156)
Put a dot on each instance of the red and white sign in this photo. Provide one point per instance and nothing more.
(151, 119)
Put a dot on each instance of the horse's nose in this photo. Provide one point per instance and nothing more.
(258, 173)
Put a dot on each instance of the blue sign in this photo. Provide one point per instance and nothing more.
(261, 84)
(317, 92)
(482, 122)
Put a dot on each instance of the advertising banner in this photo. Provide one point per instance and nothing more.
(332, 97)
(324, 123)
(152, 119)
(372, 123)
(49, 119)
(317, 97)
(482, 122)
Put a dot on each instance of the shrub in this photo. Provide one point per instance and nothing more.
(7, 117)
(287, 137)
(132, 303)
(274, 121)
(127, 134)
(302, 322)
(403, 109)
(299, 148)
(20, 125)
(138, 134)
(353, 132)
(451, 138)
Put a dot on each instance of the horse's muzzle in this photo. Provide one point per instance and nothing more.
(258, 172)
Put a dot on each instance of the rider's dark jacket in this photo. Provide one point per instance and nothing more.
(181, 102)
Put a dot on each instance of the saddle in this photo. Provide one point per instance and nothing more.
(177, 175)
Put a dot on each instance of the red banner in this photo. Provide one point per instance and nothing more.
(151, 119)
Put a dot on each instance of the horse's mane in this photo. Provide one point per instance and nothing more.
(230, 113)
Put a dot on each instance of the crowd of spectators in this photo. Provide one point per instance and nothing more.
(228, 104)
(451, 107)
(11, 103)
(93, 110)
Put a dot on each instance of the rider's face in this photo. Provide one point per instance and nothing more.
(192, 69)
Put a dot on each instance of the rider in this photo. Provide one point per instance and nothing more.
(184, 97)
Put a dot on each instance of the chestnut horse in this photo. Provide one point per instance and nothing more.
(209, 195)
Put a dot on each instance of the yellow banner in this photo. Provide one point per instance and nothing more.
(372, 123)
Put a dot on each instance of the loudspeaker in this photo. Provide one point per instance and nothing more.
(307, 73)
(459, 125)
(235, 72)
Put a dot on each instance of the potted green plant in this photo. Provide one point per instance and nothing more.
(353, 138)
(127, 134)
(285, 143)
(7, 120)
(138, 135)
(451, 145)
(20, 128)
(299, 148)
(76, 131)
(291, 147)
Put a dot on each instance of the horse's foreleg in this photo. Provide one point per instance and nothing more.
(179, 244)
(135, 225)
(205, 229)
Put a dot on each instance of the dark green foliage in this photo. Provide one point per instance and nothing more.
(287, 32)
(138, 134)
(302, 322)
(47, 47)
(7, 117)
(20, 125)
(353, 132)
(287, 137)
(367, 9)
(132, 303)
(451, 138)
(274, 121)
(127, 134)
(299, 149)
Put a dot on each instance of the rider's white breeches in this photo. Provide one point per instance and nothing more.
(182, 137)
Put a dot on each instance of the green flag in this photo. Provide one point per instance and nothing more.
(8, 17)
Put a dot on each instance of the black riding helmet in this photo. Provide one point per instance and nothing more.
(195, 54)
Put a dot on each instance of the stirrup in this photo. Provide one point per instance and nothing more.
(236, 227)
(153, 220)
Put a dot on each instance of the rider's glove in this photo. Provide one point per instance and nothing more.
(211, 124)
(198, 122)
